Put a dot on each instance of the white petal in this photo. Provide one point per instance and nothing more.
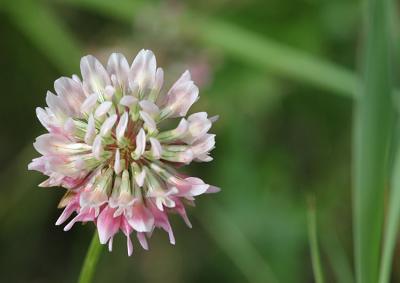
(202, 146)
(139, 178)
(97, 147)
(185, 77)
(49, 143)
(129, 245)
(121, 127)
(159, 203)
(203, 158)
(108, 124)
(57, 106)
(156, 148)
(69, 126)
(134, 88)
(199, 125)
(94, 75)
(90, 130)
(140, 143)
(177, 153)
(43, 117)
(174, 134)
(103, 109)
(169, 202)
(128, 100)
(71, 92)
(89, 104)
(76, 78)
(197, 116)
(181, 97)
(117, 163)
(118, 66)
(149, 107)
(109, 92)
(110, 244)
(159, 79)
(198, 187)
(143, 69)
(214, 119)
(148, 120)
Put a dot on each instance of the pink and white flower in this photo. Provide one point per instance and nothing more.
(106, 146)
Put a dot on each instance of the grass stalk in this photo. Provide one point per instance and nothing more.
(313, 241)
(372, 133)
(392, 224)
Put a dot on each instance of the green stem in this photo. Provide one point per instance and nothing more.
(91, 260)
(313, 241)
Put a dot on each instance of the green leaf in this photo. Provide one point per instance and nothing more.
(372, 133)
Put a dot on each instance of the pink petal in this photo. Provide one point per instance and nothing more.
(161, 220)
(142, 219)
(180, 208)
(71, 93)
(67, 212)
(107, 225)
(142, 240)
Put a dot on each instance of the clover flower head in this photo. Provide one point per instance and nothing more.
(108, 145)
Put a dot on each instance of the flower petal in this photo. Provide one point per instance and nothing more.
(143, 69)
(107, 225)
(121, 127)
(142, 219)
(118, 65)
(95, 76)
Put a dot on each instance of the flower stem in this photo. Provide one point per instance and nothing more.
(91, 260)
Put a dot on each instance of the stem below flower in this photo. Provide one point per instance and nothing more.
(91, 260)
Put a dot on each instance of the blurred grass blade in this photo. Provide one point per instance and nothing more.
(91, 260)
(243, 254)
(46, 32)
(313, 240)
(337, 256)
(16, 181)
(122, 10)
(372, 133)
(283, 60)
(392, 224)
(250, 48)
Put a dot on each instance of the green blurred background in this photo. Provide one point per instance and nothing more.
(278, 74)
